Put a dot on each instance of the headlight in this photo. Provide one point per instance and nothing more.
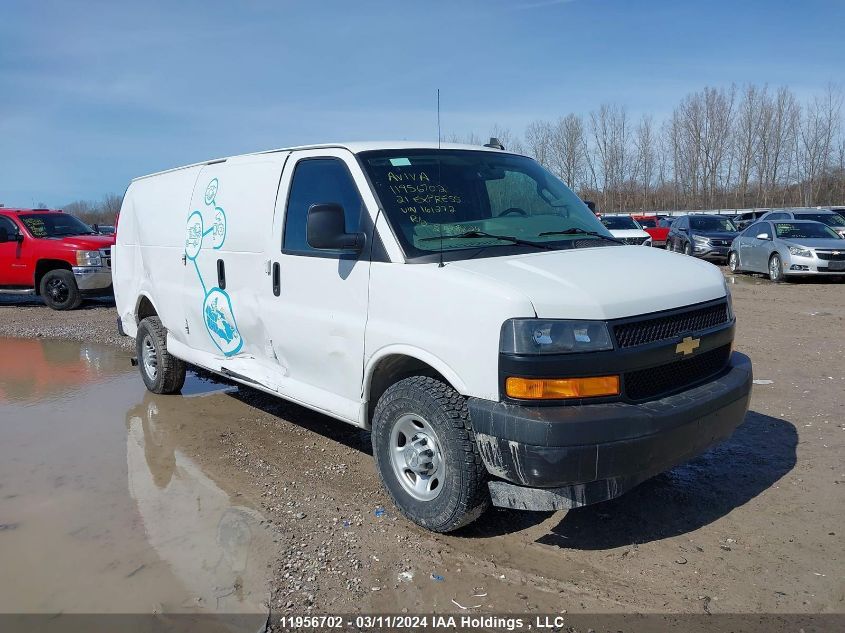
(701, 240)
(88, 258)
(800, 252)
(553, 336)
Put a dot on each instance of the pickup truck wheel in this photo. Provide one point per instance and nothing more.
(161, 371)
(426, 454)
(59, 290)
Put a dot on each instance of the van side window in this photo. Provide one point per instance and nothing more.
(319, 181)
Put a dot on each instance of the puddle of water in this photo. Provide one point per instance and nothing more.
(101, 508)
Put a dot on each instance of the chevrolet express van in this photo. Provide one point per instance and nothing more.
(460, 302)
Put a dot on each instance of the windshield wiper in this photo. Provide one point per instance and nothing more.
(577, 231)
(504, 238)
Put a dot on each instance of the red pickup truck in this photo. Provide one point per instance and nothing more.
(651, 224)
(52, 254)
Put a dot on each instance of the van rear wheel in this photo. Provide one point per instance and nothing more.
(162, 372)
(426, 454)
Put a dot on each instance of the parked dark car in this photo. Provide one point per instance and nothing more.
(700, 235)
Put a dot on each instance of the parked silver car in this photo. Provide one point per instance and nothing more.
(829, 217)
(788, 248)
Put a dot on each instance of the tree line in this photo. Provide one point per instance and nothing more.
(720, 148)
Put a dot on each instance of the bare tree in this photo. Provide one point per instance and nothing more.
(568, 149)
(814, 142)
(538, 141)
(645, 160)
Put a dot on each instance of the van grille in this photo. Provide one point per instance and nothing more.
(655, 381)
(662, 328)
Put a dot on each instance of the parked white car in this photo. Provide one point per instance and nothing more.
(462, 303)
(626, 229)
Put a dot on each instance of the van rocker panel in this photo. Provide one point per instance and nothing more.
(568, 456)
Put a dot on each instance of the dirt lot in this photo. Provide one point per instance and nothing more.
(755, 525)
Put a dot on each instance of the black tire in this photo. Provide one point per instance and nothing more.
(733, 262)
(59, 290)
(775, 268)
(162, 372)
(687, 248)
(463, 494)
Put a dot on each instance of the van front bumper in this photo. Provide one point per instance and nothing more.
(558, 457)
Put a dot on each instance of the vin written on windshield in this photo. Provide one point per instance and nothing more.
(459, 201)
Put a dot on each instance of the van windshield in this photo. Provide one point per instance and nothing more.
(461, 201)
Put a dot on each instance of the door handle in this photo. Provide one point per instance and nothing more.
(221, 274)
(277, 279)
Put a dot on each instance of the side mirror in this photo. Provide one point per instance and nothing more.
(325, 229)
(763, 236)
(682, 229)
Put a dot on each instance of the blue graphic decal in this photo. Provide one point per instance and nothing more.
(220, 321)
(217, 312)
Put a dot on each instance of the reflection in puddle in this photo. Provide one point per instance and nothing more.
(103, 508)
(210, 545)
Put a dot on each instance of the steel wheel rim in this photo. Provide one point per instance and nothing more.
(149, 357)
(774, 268)
(58, 290)
(417, 458)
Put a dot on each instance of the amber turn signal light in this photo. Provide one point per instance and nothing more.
(561, 388)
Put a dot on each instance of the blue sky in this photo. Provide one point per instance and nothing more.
(95, 93)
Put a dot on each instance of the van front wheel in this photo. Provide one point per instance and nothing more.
(161, 371)
(426, 454)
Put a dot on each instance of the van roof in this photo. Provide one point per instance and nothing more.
(354, 147)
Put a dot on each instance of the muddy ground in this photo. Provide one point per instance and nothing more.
(755, 525)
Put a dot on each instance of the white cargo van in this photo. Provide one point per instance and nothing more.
(459, 301)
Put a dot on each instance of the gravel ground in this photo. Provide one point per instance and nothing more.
(755, 525)
(95, 320)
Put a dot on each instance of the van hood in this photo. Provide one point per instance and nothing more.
(84, 242)
(604, 282)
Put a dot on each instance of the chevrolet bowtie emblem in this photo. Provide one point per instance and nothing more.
(687, 346)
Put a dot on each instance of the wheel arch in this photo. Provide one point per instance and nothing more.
(43, 266)
(144, 307)
(394, 363)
